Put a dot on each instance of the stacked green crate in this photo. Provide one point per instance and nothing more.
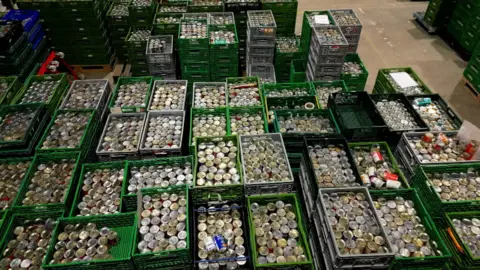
(119, 25)
(472, 72)
(141, 12)
(239, 9)
(285, 13)
(14, 59)
(81, 23)
(307, 24)
(464, 25)
(136, 42)
(287, 48)
(223, 51)
(438, 12)
(357, 80)
(297, 71)
(194, 50)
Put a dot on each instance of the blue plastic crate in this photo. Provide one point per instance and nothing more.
(37, 39)
(28, 17)
(33, 33)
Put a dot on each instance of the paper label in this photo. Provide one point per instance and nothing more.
(321, 19)
(403, 79)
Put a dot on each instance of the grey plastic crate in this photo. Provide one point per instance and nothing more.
(146, 152)
(165, 82)
(267, 187)
(196, 16)
(324, 70)
(101, 103)
(318, 247)
(260, 31)
(200, 84)
(319, 60)
(259, 41)
(349, 261)
(165, 57)
(306, 187)
(220, 14)
(328, 49)
(261, 50)
(352, 48)
(354, 29)
(259, 59)
(411, 159)
(353, 39)
(321, 77)
(265, 73)
(117, 155)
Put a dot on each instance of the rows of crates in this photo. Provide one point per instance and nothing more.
(28, 45)
(355, 123)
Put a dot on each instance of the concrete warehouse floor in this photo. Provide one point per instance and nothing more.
(391, 38)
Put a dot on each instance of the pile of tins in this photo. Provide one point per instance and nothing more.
(23, 43)
(287, 48)
(81, 23)
(300, 180)
(129, 26)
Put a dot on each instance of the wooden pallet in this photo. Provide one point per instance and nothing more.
(471, 89)
(121, 70)
(82, 69)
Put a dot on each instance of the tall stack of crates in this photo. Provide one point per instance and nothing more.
(350, 26)
(161, 57)
(141, 12)
(328, 48)
(472, 72)
(77, 28)
(285, 13)
(194, 50)
(308, 22)
(29, 46)
(136, 41)
(439, 12)
(261, 34)
(464, 24)
(223, 51)
(239, 9)
(119, 26)
(287, 48)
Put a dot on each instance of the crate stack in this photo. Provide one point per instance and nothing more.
(328, 48)
(76, 22)
(350, 26)
(437, 15)
(261, 34)
(287, 49)
(223, 46)
(285, 13)
(119, 27)
(136, 41)
(463, 25)
(239, 9)
(354, 72)
(28, 44)
(193, 48)
(141, 13)
(310, 20)
(161, 57)
(472, 72)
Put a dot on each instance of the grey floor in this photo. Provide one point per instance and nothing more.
(391, 38)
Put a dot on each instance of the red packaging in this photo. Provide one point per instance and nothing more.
(390, 176)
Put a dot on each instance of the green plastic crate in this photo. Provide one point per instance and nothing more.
(302, 240)
(124, 224)
(287, 103)
(117, 20)
(215, 112)
(286, 57)
(223, 47)
(250, 111)
(130, 200)
(11, 220)
(391, 158)
(307, 113)
(74, 211)
(355, 78)
(383, 73)
(55, 98)
(193, 43)
(141, 11)
(463, 255)
(166, 7)
(339, 83)
(297, 71)
(32, 129)
(15, 161)
(201, 7)
(85, 141)
(204, 193)
(160, 28)
(39, 159)
(434, 204)
(136, 45)
(169, 258)
(275, 87)
(252, 81)
(128, 109)
(12, 87)
(429, 262)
